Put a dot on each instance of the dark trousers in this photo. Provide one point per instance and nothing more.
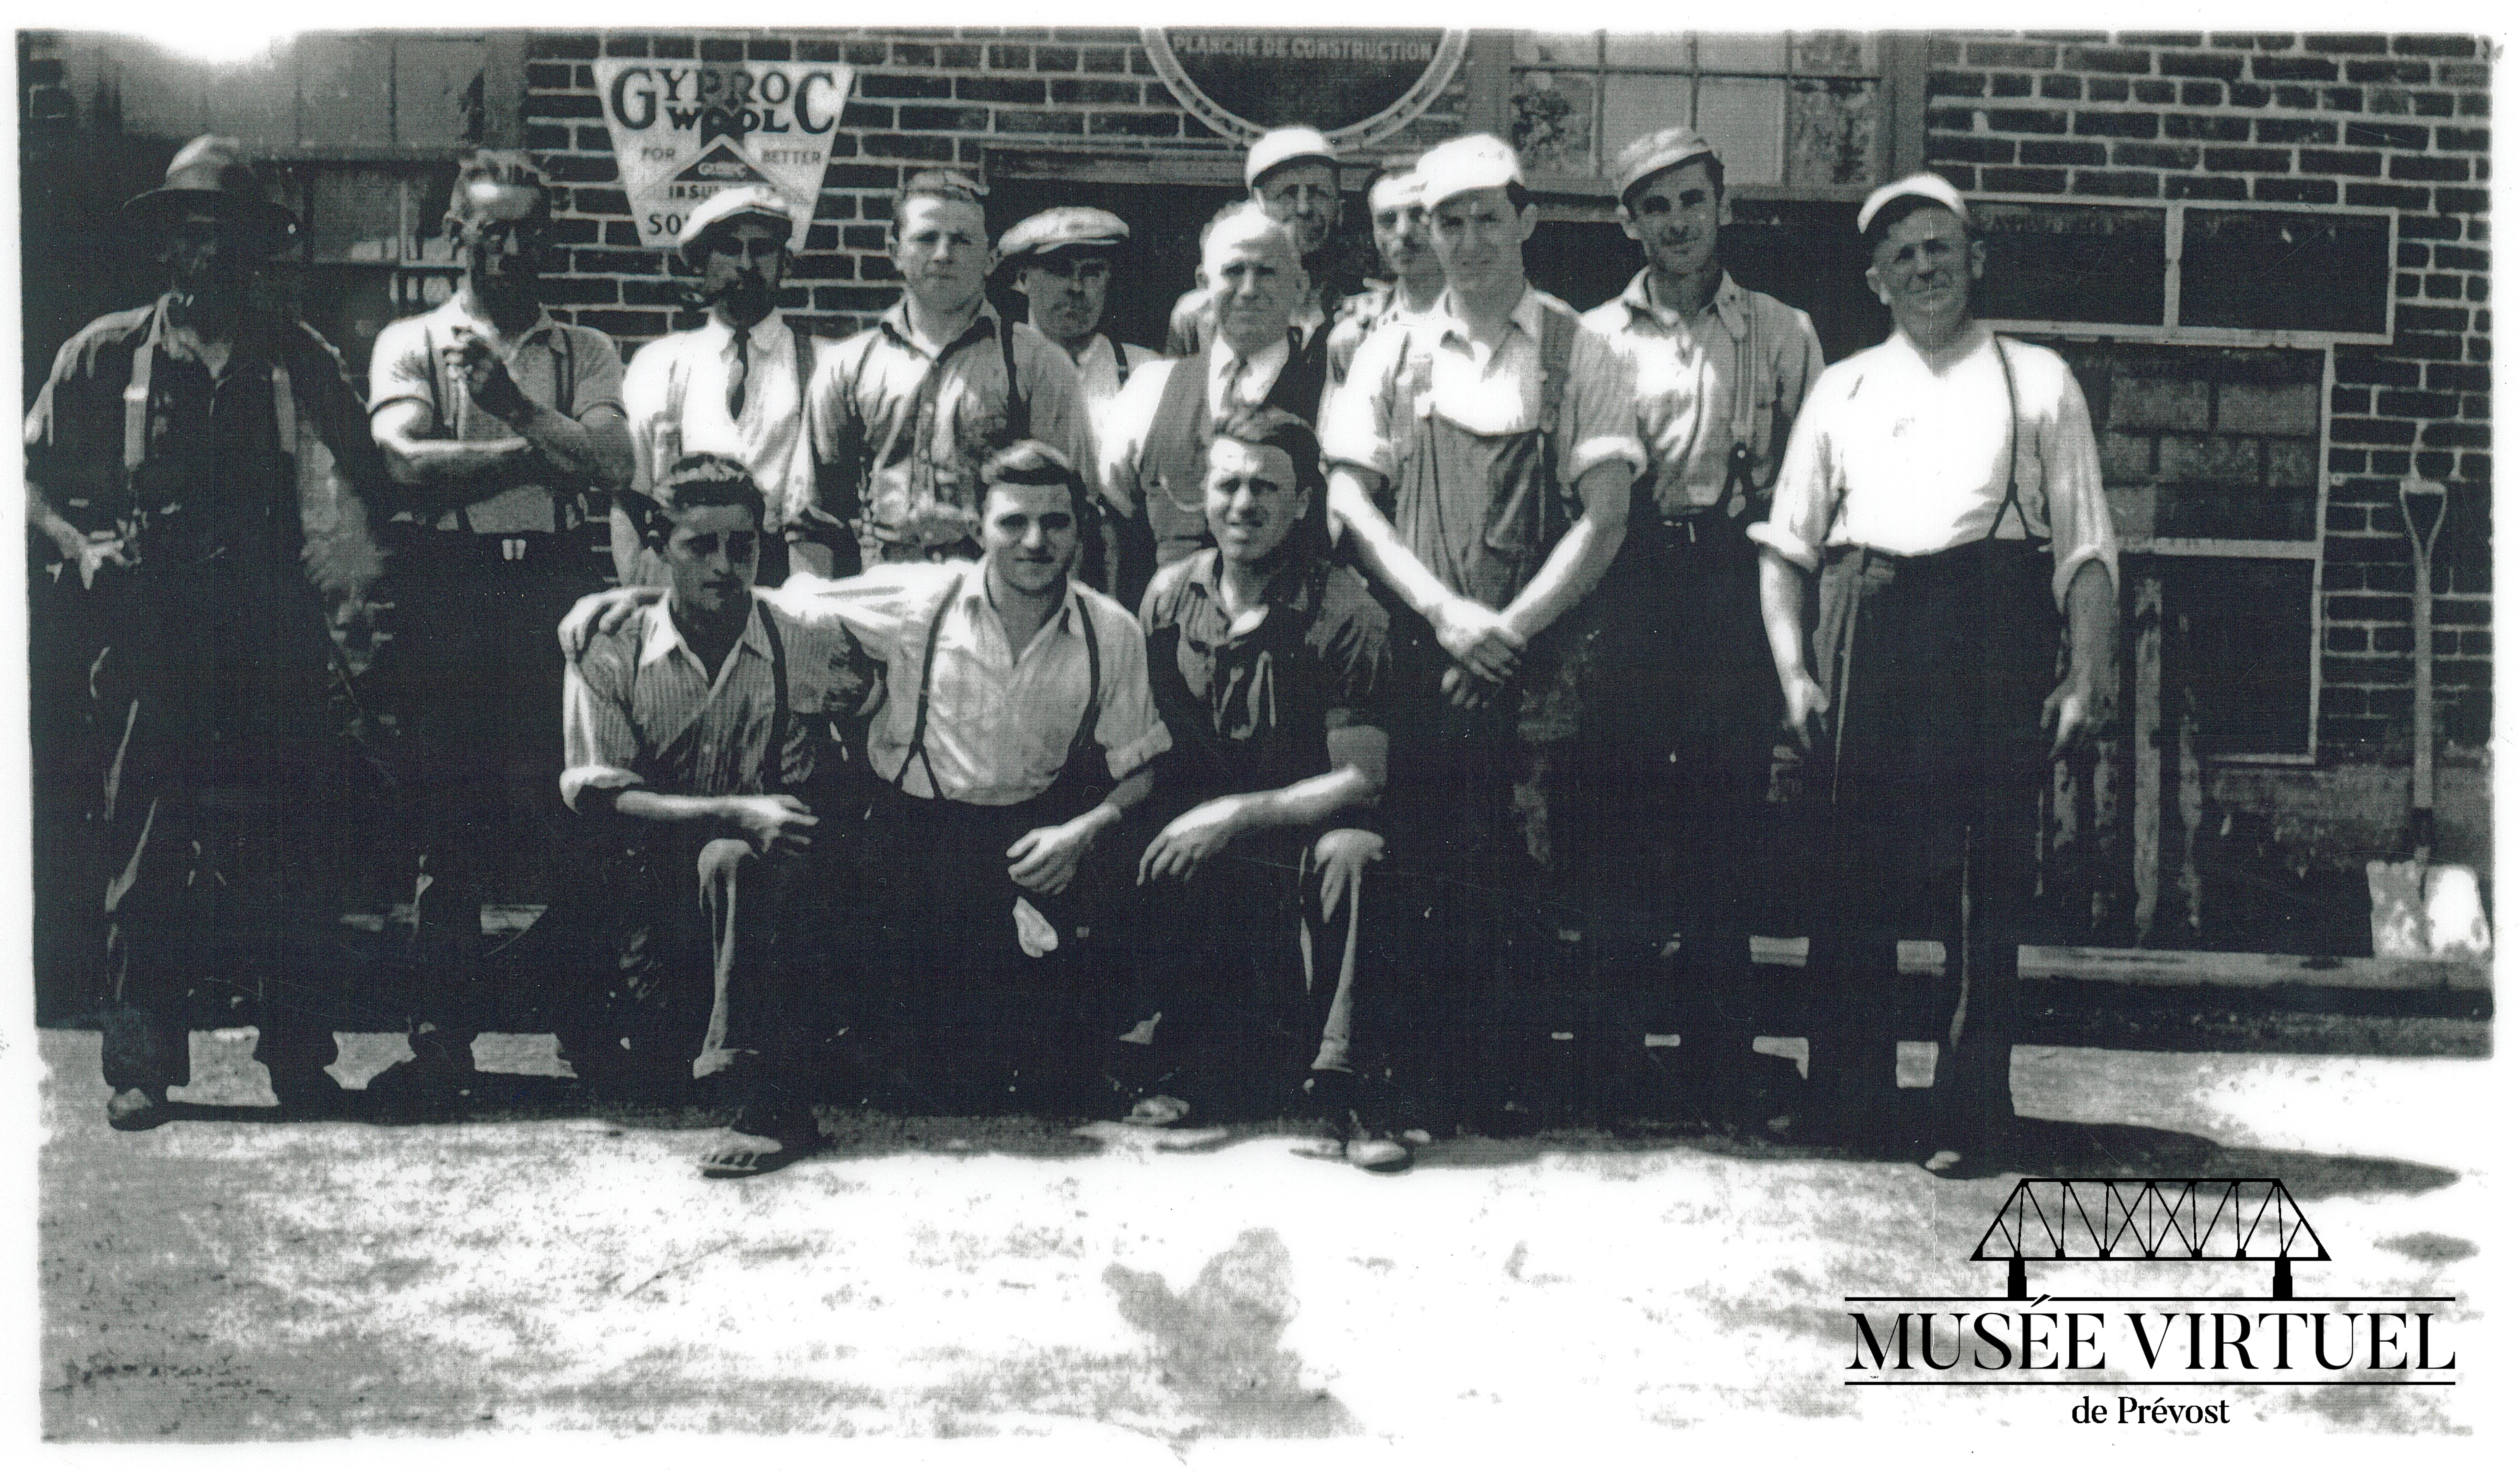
(1275, 955)
(219, 820)
(954, 994)
(477, 665)
(1937, 668)
(1688, 710)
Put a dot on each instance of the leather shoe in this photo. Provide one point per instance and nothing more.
(134, 1109)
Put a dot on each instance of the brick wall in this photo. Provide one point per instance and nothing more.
(923, 98)
(2395, 121)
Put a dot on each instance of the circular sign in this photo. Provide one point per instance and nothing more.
(1357, 86)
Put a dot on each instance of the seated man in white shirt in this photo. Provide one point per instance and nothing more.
(1155, 439)
(1015, 734)
(734, 385)
(694, 735)
(1945, 489)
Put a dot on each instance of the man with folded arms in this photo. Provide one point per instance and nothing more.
(694, 729)
(1269, 664)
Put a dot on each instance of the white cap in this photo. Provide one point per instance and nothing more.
(1478, 161)
(1933, 189)
(760, 199)
(1284, 146)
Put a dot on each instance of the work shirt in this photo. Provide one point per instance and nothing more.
(1376, 421)
(1732, 374)
(211, 482)
(999, 718)
(769, 436)
(573, 371)
(640, 710)
(1102, 372)
(918, 444)
(1251, 708)
(1894, 455)
(1359, 317)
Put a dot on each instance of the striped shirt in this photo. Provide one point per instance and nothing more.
(640, 710)
(1735, 372)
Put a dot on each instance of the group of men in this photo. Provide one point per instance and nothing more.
(993, 705)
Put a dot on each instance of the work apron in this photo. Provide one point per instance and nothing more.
(1937, 668)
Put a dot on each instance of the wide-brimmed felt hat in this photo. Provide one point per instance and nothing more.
(212, 170)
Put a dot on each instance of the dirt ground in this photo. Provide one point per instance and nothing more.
(547, 1265)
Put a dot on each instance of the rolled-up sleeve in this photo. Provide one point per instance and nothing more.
(2078, 505)
(1807, 488)
(400, 369)
(1597, 417)
(1360, 419)
(1126, 426)
(597, 365)
(597, 739)
(1129, 730)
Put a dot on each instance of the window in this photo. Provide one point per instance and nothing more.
(1800, 110)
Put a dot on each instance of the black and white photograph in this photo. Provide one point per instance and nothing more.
(1096, 736)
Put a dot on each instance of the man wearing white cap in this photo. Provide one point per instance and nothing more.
(1483, 461)
(1395, 202)
(1154, 455)
(905, 413)
(1945, 489)
(735, 385)
(1062, 260)
(1292, 175)
(1720, 373)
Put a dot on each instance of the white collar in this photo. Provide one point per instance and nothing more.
(720, 337)
(1525, 314)
(664, 637)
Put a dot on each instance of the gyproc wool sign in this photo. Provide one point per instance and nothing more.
(681, 131)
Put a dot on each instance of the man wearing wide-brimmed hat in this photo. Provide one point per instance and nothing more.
(1063, 260)
(735, 385)
(185, 436)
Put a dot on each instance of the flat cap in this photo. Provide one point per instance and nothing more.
(1650, 155)
(1480, 161)
(749, 201)
(1066, 228)
(1280, 147)
(1933, 189)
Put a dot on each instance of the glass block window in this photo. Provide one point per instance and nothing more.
(1797, 110)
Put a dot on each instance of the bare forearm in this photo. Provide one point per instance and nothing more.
(42, 518)
(2091, 624)
(1576, 563)
(597, 453)
(640, 804)
(1123, 798)
(1378, 542)
(452, 471)
(1782, 588)
(1312, 801)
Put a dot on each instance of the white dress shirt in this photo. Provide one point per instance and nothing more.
(768, 438)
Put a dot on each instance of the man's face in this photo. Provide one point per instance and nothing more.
(502, 238)
(711, 555)
(1922, 267)
(1479, 236)
(941, 249)
(210, 256)
(1303, 198)
(1252, 499)
(743, 265)
(1029, 534)
(1400, 231)
(1257, 282)
(1068, 290)
(1676, 216)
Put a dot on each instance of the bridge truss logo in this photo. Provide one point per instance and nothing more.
(2158, 1334)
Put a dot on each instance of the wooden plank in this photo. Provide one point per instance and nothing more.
(2183, 967)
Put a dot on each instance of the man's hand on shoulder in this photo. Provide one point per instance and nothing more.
(600, 613)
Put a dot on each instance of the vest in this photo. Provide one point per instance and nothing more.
(1173, 474)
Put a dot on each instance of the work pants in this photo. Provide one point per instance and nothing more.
(1274, 956)
(476, 666)
(1937, 668)
(955, 997)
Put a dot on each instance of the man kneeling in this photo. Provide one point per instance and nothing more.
(692, 728)
(1266, 660)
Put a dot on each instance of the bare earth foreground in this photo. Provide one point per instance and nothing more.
(548, 1268)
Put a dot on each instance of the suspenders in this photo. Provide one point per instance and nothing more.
(1085, 726)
